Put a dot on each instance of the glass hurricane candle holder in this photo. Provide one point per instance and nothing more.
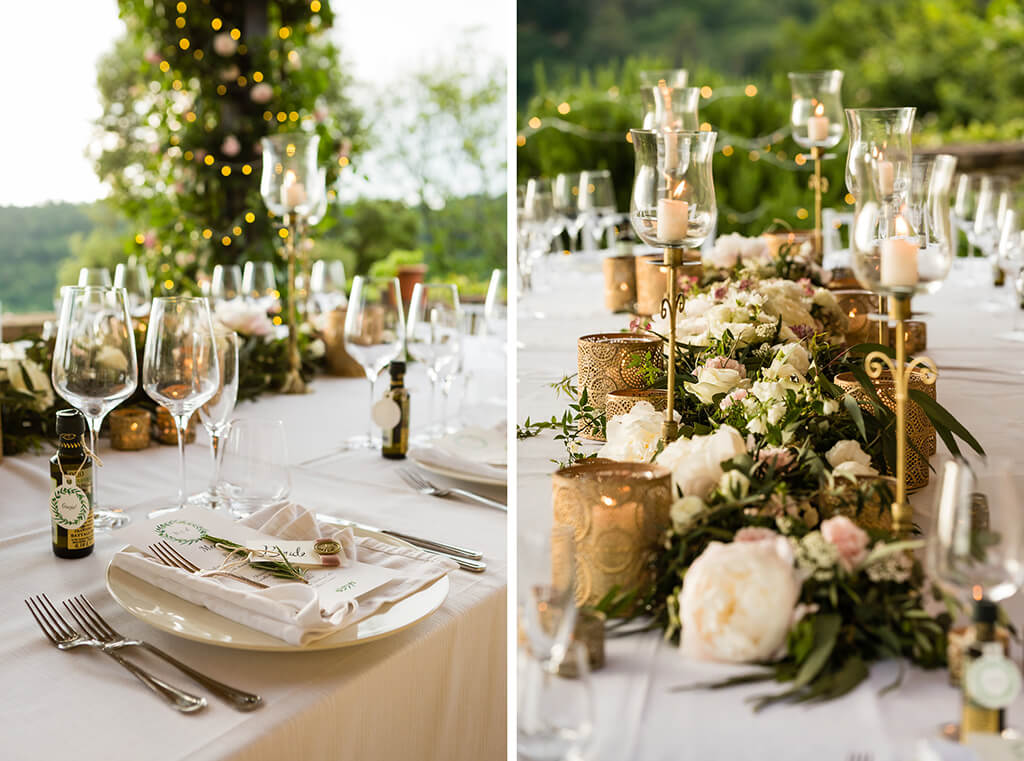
(882, 137)
(670, 108)
(816, 116)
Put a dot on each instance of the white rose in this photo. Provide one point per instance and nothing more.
(37, 384)
(755, 251)
(738, 601)
(715, 380)
(111, 358)
(696, 463)
(633, 437)
(684, 511)
(829, 407)
(794, 355)
(244, 319)
(734, 484)
(725, 253)
(849, 460)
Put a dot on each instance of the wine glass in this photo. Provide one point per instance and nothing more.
(539, 220)
(374, 335)
(496, 304)
(136, 283)
(99, 276)
(255, 471)
(327, 284)
(216, 413)
(227, 283)
(434, 334)
(555, 711)
(565, 195)
(179, 368)
(94, 364)
(319, 209)
(258, 284)
(597, 201)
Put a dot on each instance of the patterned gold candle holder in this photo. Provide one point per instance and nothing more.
(920, 430)
(165, 431)
(129, 429)
(793, 238)
(867, 501)
(618, 512)
(858, 306)
(651, 279)
(621, 401)
(915, 336)
(619, 283)
(605, 363)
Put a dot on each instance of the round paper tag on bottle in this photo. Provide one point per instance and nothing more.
(993, 681)
(386, 413)
(69, 505)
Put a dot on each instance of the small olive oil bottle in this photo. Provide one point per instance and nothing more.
(977, 717)
(395, 441)
(71, 512)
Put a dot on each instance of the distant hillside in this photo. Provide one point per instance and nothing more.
(33, 242)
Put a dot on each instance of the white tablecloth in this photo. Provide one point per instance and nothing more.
(434, 691)
(637, 716)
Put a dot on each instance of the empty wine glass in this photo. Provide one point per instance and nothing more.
(255, 471)
(597, 202)
(547, 583)
(179, 368)
(258, 284)
(540, 222)
(555, 712)
(99, 276)
(138, 286)
(566, 192)
(496, 304)
(227, 283)
(434, 335)
(94, 364)
(216, 413)
(374, 335)
(327, 284)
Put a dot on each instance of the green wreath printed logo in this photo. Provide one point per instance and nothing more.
(69, 506)
(181, 532)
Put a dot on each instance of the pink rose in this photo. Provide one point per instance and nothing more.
(230, 146)
(848, 538)
(261, 93)
(780, 457)
(754, 534)
(724, 363)
(732, 397)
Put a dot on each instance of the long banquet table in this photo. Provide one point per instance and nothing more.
(433, 691)
(637, 716)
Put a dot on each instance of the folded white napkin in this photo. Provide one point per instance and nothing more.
(290, 611)
(439, 458)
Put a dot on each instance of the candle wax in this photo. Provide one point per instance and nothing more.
(898, 266)
(886, 177)
(673, 219)
(817, 129)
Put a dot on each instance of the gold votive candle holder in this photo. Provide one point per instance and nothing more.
(129, 429)
(621, 401)
(651, 282)
(915, 336)
(165, 431)
(858, 306)
(619, 283)
(793, 238)
(870, 508)
(920, 430)
(604, 363)
(618, 512)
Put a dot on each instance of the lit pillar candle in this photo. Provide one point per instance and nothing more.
(898, 265)
(886, 177)
(817, 125)
(673, 219)
(293, 192)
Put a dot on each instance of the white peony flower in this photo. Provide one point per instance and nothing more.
(734, 484)
(244, 319)
(849, 460)
(696, 463)
(792, 356)
(684, 511)
(725, 253)
(718, 376)
(633, 437)
(37, 383)
(738, 601)
(111, 358)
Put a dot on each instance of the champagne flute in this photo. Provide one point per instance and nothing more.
(94, 364)
(216, 413)
(258, 284)
(227, 283)
(136, 283)
(180, 369)
(434, 335)
(374, 335)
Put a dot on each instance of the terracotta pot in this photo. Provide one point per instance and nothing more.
(408, 276)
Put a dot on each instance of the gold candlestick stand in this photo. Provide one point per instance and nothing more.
(293, 383)
(875, 364)
(819, 185)
(671, 305)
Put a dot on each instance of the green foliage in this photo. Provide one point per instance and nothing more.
(397, 260)
(371, 229)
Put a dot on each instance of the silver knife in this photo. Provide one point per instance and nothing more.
(427, 544)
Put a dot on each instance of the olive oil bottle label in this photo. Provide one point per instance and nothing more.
(387, 413)
(69, 505)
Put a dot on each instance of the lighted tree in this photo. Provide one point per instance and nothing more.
(187, 94)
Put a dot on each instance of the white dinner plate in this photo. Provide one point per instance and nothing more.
(181, 618)
(458, 475)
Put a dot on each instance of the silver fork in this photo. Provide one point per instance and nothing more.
(64, 637)
(169, 556)
(97, 627)
(423, 486)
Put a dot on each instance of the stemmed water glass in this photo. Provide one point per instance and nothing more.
(216, 413)
(597, 202)
(179, 368)
(434, 334)
(327, 285)
(137, 285)
(566, 192)
(227, 283)
(541, 224)
(374, 335)
(258, 284)
(965, 203)
(98, 276)
(94, 363)
(496, 304)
